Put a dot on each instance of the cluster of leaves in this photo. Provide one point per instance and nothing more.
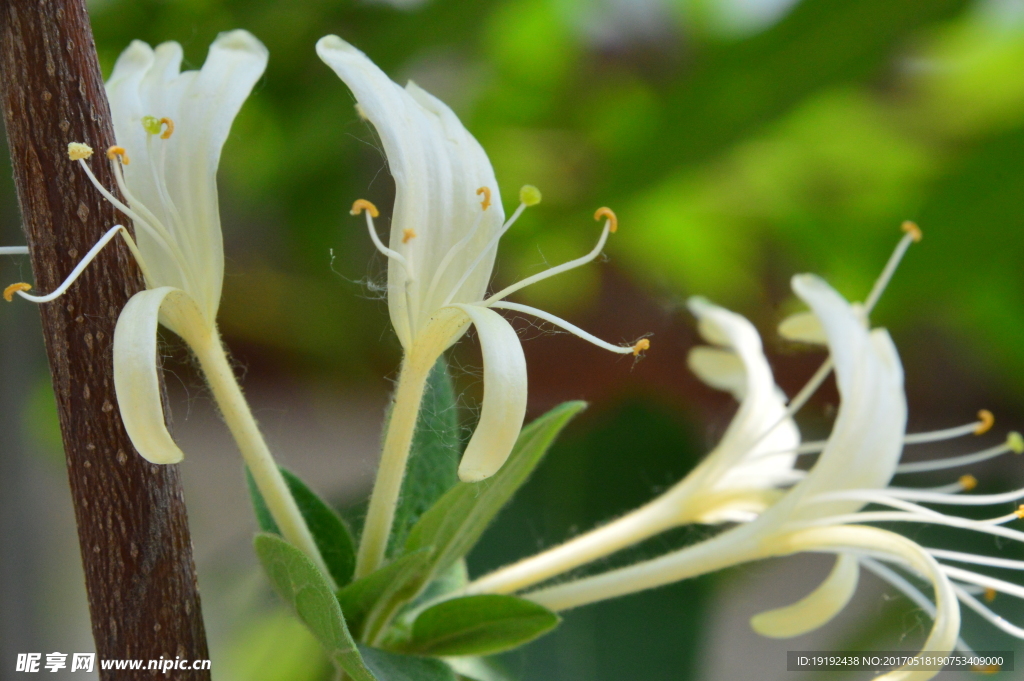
(395, 623)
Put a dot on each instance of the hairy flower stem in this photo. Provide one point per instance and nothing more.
(412, 382)
(238, 416)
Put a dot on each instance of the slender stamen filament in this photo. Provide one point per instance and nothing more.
(1014, 443)
(483, 253)
(975, 559)
(924, 496)
(13, 250)
(21, 289)
(983, 610)
(610, 222)
(913, 234)
(634, 349)
(159, 235)
(362, 205)
(450, 255)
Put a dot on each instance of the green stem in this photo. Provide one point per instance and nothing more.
(380, 516)
(238, 416)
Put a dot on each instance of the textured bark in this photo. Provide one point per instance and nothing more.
(132, 525)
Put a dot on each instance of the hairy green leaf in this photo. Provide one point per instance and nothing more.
(330, 532)
(479, 625)
(388, 666)
(369, 603)
(454, 524)
(303, 586)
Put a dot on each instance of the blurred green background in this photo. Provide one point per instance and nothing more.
(739, 141)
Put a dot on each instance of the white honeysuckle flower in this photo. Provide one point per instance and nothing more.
(743, 474)
(445, 227)
(824, 512)
(170, 128)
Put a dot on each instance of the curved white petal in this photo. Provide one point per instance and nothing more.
(816, 608)
(438, 167)
(504, 404)
(756, 450)
(175, 180)
(866, 441)
(136, 378)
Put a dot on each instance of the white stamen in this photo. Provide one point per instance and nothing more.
(13, 250)
(79, 268)
(899, 517)
(394, 255)
(571, 328)
(953, 462)
(984, 580)
(983, 610)
(890, 268)
(480, 256)
(450, 255)
(564, 267)
(975, 559)
(909, 590)
(944, 434)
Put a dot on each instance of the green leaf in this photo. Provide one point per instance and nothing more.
(369, 603)
(433, 463)
(454, 524)
(332, 536)
(479, 625)
(388, 666)
(478, 669)
(302, 585)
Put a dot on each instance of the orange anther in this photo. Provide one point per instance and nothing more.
(968, 482)
(486, 192)
(641, 345)
(911, 228)
(606, 212)
(407, 234)
(14, 288)
(115, 151)
(987, 421)
(1020, 511)
(990, 594)
(362, 204)
(170, 128)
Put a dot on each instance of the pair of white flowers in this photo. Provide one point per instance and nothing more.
(446, 224)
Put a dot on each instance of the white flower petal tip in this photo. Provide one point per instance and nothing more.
(136, 376)
(504, 403)
(817, 608)
(803, 327)
(242, 41)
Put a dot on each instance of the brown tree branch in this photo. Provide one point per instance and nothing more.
(132, 525)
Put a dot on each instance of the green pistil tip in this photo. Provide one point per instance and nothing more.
(151, 124)
(529, 195)
(1015, 442)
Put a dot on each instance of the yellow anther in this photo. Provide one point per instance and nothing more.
(1020, 511)
(641, 345)
(407, 234)
(1015, 442)
(115, 151)
(986, 669)
(911, 228)
(606, 212)
(987, 421)
(362, 204)
(14, 288)
(990, 594)
(529, 195)
(78, 151)
(968, 482)
(166, 134)
(486, 192)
